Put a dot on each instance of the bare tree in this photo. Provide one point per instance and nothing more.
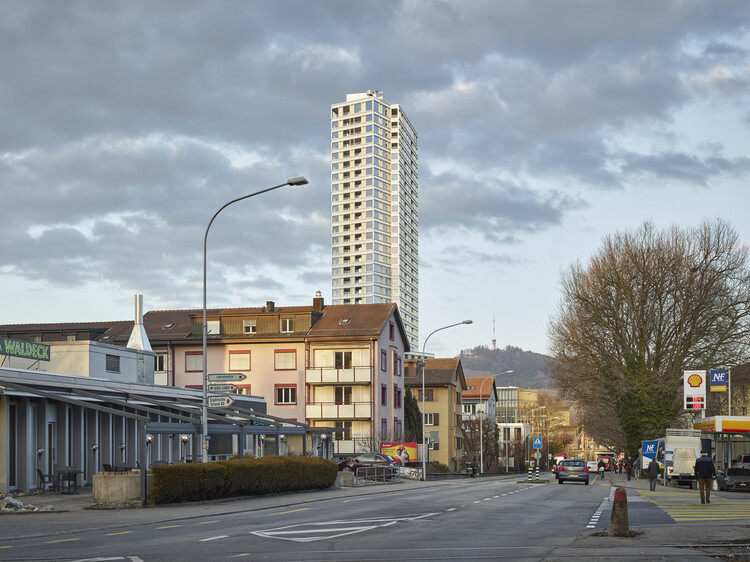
(649, 305)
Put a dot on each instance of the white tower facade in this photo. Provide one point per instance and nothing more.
(375, 207)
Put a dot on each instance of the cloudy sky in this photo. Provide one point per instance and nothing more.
(543, 126)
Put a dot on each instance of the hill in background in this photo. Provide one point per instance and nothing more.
(530, 370)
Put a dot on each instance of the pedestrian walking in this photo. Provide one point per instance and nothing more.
(653, 474)
(628, 468)
(474, 467)
(705, 472)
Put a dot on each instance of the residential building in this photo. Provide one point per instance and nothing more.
(374, 207)
(479, 422)
(335, 366)
(444, 385)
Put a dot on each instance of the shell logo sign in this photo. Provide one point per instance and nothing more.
(694, 381)
(694, 390)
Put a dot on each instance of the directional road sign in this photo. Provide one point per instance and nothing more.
(226, 377)
(222, 387)
(220, 401)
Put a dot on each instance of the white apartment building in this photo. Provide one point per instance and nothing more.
(374, 207)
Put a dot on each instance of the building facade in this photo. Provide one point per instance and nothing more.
(444, 384)
(374, 207)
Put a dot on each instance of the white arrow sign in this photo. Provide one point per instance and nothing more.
(226, 377)
(222, 387)
(220, 401)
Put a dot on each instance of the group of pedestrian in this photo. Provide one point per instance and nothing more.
(704, 469)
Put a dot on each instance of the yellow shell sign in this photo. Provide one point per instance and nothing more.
(694, 380)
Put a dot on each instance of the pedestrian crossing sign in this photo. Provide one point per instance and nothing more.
(537, 442)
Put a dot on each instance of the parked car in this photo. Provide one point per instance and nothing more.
(368, 460)
(743, 461)
(574, 470)
(733, 479)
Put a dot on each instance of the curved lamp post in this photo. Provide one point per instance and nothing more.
(292, 181)
(422, 363)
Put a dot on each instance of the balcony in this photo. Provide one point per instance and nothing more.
(351, 447)
(331, 411)
(333, 375)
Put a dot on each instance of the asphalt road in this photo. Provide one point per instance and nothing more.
(471, 519)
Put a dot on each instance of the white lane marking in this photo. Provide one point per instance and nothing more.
(214, 538)
(331, 529)
(452, 509)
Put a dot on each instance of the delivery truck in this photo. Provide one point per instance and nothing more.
(682, 447)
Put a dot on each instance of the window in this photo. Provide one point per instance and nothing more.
(340, 435)
(250, 326)
(244, 389)
(239, 360)
(286, 394)
(459, 443)
(434, 440)
(396, 397)
(160, 362)
(287, 325)
(383, 361)
(213, 327)
(70, 337)
(193, 361)
(392, 331)
(112, 363)
(285, 360)
(427, 395)
(383, 428)
(396, 365)
(432, 419)
(343, 359)
(470, 408)
(343, 394)
(383, 394)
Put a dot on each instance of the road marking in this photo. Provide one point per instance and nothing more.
(355, 500)
(62, 540)
(120, 533)
(323, 530)
(214, 538)
(207, 522)
(290, 511)
(168, 527)
(451, 509)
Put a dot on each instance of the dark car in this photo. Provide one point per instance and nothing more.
(368, 460)
(733, 479)
(573, 470)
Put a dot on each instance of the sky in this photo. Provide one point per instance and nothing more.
(543, 127)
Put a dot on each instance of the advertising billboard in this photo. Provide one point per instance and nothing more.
(402, 453)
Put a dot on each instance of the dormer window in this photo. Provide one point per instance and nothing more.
(287, 325)
(250, 326)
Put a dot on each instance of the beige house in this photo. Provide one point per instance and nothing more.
(444, 384)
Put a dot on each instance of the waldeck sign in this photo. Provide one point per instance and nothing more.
(25, 349)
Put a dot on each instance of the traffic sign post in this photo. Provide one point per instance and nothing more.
(222, 387)
(537, 442)
(220, 401)
(226, 377)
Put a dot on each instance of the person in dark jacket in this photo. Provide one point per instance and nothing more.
(653, 474)
(705, 471)
(628, 468)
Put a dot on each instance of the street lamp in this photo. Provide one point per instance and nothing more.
(424, 441)
(292, 181)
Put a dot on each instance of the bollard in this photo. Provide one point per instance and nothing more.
(618, 524)
(530, 469)
(536, 472)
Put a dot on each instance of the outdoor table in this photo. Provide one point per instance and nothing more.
(67, 479)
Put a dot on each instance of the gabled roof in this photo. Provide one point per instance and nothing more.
(438, 372)
(483, 388)
(357, 320)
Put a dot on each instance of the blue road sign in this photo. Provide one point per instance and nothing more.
(537, 442)
(718, 380)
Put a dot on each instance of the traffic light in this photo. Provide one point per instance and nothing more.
(695, 403)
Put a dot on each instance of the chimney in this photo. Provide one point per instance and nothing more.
(318, 302)
(270, 306)
(138, 338)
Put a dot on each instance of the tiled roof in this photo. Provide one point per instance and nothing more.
(438, 372)
(353, 320)
(483, 387)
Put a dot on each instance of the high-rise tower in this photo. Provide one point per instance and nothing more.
(374, 207)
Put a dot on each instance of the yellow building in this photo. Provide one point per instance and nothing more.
(444, 384)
